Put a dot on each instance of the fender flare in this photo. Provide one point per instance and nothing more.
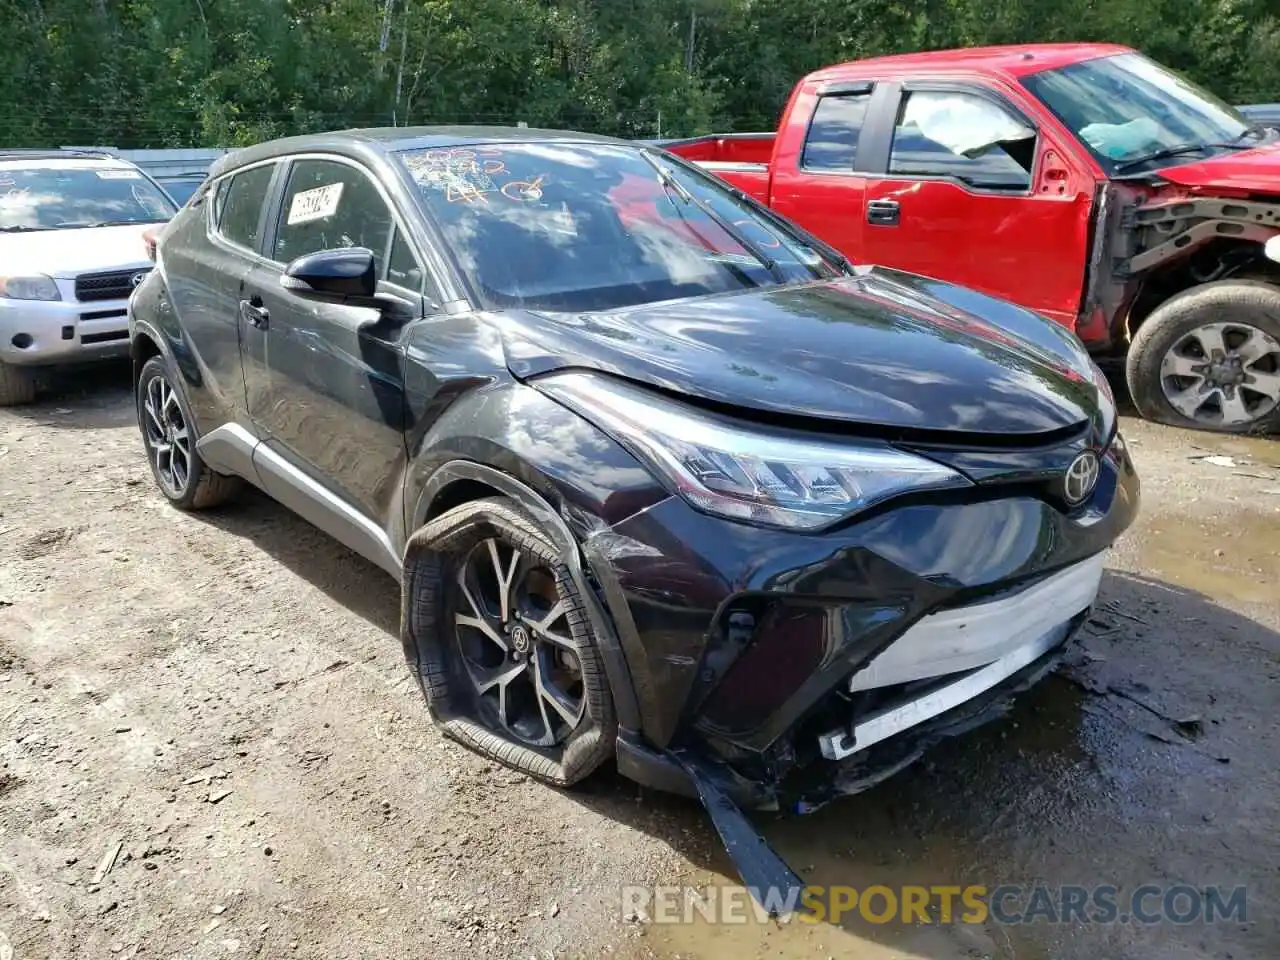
(143, 328)
(621, 684)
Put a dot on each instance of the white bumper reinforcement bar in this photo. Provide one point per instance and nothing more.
(986, 642)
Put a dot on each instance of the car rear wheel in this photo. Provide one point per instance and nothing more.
(497, 635)
(168, 434)
(1209, 359)
(17, 386)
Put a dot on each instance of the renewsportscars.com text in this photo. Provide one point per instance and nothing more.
(1004, 904)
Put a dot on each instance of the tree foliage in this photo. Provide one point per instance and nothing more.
(228, 72)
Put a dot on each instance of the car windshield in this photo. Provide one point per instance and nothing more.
(1126, 107)
(56, 197)
(573, 226)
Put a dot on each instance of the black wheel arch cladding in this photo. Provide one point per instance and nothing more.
(599, 616)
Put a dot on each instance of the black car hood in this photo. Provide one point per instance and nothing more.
(883, 348)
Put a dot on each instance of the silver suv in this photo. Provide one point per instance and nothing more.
(73, 246)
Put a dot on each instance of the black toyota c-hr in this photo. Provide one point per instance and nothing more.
(664, 479)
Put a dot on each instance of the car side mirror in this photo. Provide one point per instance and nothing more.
(346, 276)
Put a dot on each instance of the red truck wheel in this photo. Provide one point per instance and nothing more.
(1209, 359)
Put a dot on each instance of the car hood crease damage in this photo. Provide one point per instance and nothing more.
(871, 352)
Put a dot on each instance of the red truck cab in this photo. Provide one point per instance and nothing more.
(1083, 181)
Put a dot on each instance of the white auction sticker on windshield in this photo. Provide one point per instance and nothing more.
(315, 204)
(118, 175)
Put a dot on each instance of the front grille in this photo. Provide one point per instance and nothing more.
(103, 314)
(114, 285)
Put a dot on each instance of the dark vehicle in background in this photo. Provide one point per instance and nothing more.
(1264, 114)
(182, 187)
(663, 478)
(1083, 181)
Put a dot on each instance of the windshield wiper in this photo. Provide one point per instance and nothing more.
(19, 228)
(1178, 150)
(679, 189)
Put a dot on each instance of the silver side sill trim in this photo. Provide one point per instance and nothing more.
(233, 449)
(229, 449)
(839, 744)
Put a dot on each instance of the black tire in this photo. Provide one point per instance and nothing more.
(197, 487)
(1251, 303)
(431, 643)
(17, 385)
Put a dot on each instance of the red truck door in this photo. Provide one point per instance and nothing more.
(815, 180)
(970, 189)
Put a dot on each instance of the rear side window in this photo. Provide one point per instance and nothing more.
(238, 206)
(965, 136)
(832, 143)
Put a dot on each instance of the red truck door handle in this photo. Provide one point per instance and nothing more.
(883, 213)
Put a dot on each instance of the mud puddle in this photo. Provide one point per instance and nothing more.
(1235, 558)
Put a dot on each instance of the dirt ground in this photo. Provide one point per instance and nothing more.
(210, 747)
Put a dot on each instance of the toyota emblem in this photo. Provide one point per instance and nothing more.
(1081, 478)
(137, 278)
(520, 638)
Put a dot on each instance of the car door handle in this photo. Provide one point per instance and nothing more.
(254, 313)
(883, 213)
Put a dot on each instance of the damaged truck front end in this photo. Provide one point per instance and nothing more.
(1151, 242)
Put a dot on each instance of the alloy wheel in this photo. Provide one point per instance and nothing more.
(168, 438)
(1223, 374)
(512, 631)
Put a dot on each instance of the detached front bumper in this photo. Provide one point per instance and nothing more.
(798, 667)
(43, 333)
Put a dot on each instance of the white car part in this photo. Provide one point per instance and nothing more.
(983, 644)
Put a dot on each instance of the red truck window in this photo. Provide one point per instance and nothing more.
(965, 136)
(1125, 107)
(832, 141)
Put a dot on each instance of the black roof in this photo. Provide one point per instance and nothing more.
(393, 139)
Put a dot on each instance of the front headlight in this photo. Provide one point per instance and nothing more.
(769, 477)
(29, 288)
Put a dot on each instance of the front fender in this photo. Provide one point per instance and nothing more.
(575, 481)
(152, 314)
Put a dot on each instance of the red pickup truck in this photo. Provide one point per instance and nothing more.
(1083, 181)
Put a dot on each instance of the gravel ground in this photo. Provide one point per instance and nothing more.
(210, 747)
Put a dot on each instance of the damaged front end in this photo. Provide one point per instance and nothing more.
(1151, 240)
(782, 672)
(954, 669)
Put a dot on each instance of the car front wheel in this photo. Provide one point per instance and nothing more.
(168, 434)
(1209, 359)
(498, 638)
